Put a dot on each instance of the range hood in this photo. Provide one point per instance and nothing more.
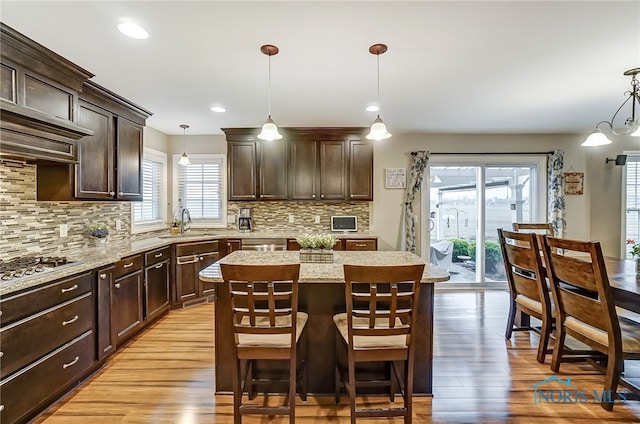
(38, 101)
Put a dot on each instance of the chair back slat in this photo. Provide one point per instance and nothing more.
(580, 284)
(264, 299)
(523, 266)
(386, 296)
(545, 228)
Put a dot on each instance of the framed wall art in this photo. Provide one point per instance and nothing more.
(573, 183)
(395, 177)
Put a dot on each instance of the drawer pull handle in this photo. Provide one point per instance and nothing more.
(72, 288)
(120, 193)
(157, 255)
(103, 276)
(1, 407)
(128, 265)
(65, 366)
(1, 354)
(160, 265)
(117, 285)
(361, 244)
(71, 321)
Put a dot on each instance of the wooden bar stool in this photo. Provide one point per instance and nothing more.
(266, 326)
(381, 303)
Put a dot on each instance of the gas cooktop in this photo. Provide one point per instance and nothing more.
(27, 266)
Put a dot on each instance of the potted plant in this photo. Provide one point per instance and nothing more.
(98, 232)
(635, 252)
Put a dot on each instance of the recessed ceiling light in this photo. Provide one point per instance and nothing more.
(372, 108)
(133, 30)
(218, 109)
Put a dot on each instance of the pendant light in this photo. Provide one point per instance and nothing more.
(378, 129)
(269, 130)
(631, 124)
(184, 159)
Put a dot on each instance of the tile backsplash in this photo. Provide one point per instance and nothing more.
(31, 227)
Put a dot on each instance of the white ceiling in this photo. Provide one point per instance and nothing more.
(452, 66)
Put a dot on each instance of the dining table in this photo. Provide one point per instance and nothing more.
(624, 282)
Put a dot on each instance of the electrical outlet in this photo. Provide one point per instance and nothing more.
(118, 224)
(317, 221)
(291, 219)
(231, 218)
(64, 230)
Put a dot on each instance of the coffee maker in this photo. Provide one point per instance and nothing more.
(244, 220)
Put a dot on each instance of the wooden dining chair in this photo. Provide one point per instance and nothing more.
(527, 285)
(585, 309)
(378, 326)
(266, 326)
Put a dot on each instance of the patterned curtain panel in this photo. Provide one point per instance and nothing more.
(420, 160)
(556, 193)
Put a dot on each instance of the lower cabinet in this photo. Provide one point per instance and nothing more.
(191, 258)
(48, 343)
(127, 298)
(343, 244)
(156, 283)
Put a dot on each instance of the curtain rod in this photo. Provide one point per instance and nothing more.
(485, 153)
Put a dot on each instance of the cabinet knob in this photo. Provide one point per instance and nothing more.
(117, 285)
(322, 195)
(1, 354)
(254, 196)
(120, 193)
(103, 276)
(112, 193)
(1, 407)
(314, 196)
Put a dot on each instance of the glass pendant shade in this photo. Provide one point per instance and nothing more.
(596, 138)
(184, 160)
(636, 133)
(269, 131)
(378, 130)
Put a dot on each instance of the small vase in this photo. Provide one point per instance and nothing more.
(637, 265)
(99, 242)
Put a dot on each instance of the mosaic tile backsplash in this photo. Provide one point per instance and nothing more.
(31, 227)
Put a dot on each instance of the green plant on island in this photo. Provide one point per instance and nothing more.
(316, 241)
(98, 230)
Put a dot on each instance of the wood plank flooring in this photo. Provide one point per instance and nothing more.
(166, 375)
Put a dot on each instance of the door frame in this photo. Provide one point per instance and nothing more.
(539, 210)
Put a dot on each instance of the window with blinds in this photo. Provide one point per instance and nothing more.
(200, 189)
(632, 183)
(151, 212)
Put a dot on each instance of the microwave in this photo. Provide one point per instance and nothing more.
(344, 223)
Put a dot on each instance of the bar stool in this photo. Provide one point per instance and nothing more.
(381, 303)
(266, 326)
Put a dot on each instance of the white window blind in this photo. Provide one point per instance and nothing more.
(632, 182)
(150, 214)
(200, 188)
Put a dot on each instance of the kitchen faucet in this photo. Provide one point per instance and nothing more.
(185, 211)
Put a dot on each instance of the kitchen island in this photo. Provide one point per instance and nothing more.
(321, 295)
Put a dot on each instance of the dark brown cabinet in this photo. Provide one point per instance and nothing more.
(360, 170)
(325, 164)
(191, 258)
(48, 343)
(257, 170)
(156, 283)
(232, 245)
(360, 244)
(127, 298)
(109, 161)
(106, 334)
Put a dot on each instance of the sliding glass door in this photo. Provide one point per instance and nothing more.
(469, 199)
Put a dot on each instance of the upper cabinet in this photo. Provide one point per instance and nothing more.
(324, 164)
(38, 101)
(109, 161)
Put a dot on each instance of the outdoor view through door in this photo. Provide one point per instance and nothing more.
(468, 204)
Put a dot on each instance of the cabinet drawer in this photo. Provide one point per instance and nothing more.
(361, 244)
(127, 266)
(157, 256)
(16, 307)
(27, 340)
(30, 389)
(196, 248)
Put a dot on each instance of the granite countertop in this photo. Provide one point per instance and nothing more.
(90, 258)
(324, 272)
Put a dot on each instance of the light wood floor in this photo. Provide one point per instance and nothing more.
(166, 375)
